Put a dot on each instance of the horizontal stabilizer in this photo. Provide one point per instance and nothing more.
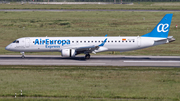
(171, 38)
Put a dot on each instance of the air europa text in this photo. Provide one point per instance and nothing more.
(51, 42)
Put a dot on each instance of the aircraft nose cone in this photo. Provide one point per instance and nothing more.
(8, 47)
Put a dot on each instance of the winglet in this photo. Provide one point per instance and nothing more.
(102, 44)
(106, 35)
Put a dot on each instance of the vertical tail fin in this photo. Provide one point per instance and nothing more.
(162, 28)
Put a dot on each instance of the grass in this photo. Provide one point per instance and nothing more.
(136, 5)
(90, 83)
(57, 24)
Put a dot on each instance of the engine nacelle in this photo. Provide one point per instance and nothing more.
(68, 53)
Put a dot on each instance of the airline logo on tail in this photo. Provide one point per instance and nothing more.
(164, 27)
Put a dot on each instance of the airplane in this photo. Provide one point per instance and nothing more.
(72, 46)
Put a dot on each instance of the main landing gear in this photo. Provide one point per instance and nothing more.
(87, 56)
(22, 55)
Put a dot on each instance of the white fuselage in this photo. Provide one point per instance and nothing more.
(46, 44)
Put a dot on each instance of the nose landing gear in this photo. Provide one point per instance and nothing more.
(22, 55)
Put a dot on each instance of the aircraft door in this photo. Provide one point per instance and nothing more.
(139, 41)
(27, 42)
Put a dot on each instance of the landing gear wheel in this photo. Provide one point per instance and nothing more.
(22, 55)
(87, 56)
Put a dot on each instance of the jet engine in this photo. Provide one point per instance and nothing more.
(68, 52)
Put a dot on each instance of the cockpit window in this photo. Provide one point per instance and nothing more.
(16, 41)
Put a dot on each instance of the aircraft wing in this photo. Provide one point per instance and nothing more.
(89, 48)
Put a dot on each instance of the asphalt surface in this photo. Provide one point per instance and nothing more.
(65, 10)
(95, 60)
